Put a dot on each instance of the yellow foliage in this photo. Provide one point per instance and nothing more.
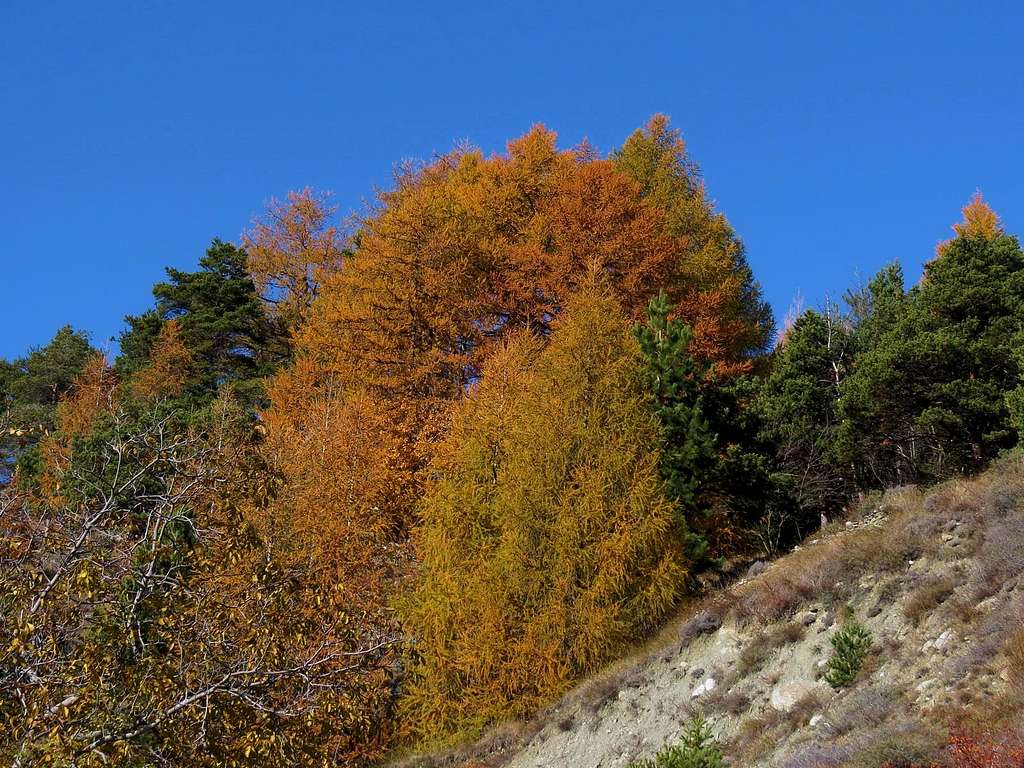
(170, 364)
(546, 541)
(93, 394)
(980, 221)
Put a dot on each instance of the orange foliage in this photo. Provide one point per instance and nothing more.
(349, 483)
(459, 255)
(466, 249)
(169, 366)
(980, 221)
(974, 750)
(93, 394)
(290, 247)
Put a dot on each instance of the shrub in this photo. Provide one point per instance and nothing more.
(764, 644)
(705, 622)
(972, 750)
(697, 749)
(850, 645)
(929, 596)
(868, 709)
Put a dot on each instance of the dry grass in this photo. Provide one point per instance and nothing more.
(982, 513)
(928, 596)
(759, 735)
(763, 644)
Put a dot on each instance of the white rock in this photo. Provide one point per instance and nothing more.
(943, 640)
(706, 687)
(815, 719)
(924, 685)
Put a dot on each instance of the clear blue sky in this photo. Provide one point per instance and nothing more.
(835, 136)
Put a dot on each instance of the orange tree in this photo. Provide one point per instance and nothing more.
(467, 249)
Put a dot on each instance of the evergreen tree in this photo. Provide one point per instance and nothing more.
(674, 381)
(799, 410)
(30, 389)
(928, 396)
(222, 324)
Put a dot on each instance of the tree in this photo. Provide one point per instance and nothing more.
(546, 539)
(465, 251)
(928, 396)
(30, 389)
(221, 322)
(144, 619)
(697, 748)
(169, 369)
(674, 381)
(290, 248)
(799, 405)
(721, 302)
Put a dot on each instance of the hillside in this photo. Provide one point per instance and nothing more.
(933, 574)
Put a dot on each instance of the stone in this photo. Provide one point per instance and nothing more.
(808, 619)
(943, 640)
(706, 687)
(815, 719)
(924, 685)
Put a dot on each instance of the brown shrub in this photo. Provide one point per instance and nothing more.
(928, 596)
(761, 646)
(770, 599)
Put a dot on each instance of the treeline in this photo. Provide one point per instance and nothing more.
(347, 492)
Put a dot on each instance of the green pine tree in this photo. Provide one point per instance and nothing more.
(223, 324)
(674, 380)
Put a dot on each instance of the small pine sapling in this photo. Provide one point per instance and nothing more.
(850, 645)
(696, 749)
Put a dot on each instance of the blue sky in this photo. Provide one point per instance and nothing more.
(835, 136)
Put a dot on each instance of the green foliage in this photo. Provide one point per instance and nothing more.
(697, 749)
(798, 405)
(30, 389)
(674, 381)
(223, 325)
(850, 644)
(928, 397)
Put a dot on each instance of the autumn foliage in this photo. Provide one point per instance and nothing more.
(546, 541)
(350, 489)
(468, 249)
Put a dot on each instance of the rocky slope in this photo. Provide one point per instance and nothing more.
(934, 575)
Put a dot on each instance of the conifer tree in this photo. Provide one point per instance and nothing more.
(674, 381)
(928, 397)
(221, 322)
(547, 541)
(798, 406)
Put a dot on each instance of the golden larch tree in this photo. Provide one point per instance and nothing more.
(546, 542)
